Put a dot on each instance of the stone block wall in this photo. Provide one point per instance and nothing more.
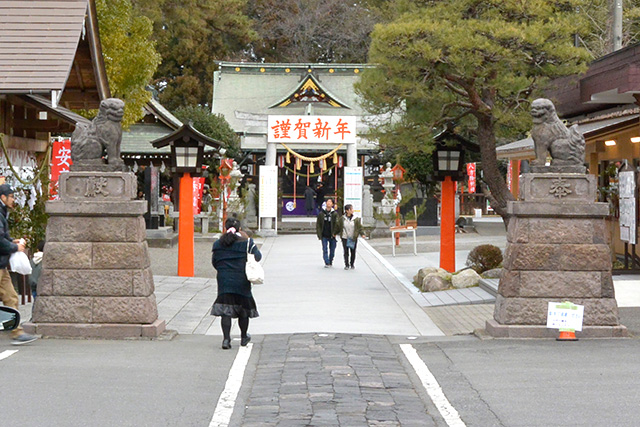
(96, 267)
(557, 250)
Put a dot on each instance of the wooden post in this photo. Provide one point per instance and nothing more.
(185, 228)
(448, 226)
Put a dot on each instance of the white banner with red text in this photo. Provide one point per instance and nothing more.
(314, 129)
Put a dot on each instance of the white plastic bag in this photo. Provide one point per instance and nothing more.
(255, 272)
(19, 262)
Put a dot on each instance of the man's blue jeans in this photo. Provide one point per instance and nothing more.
(328, 253)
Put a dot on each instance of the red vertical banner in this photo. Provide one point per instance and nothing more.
(198, 186)
(471, 173)
(60, 162)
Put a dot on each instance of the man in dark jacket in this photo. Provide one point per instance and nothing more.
(326, 229)
(319, 196)
(309, 195)
(8, 295)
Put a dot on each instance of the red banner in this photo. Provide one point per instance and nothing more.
(60, 162)
(471, 173)
(198, 186)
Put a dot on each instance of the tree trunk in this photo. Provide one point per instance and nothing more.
(500, 193)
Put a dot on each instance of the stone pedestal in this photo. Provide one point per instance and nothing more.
(96, 280)
(557, 250)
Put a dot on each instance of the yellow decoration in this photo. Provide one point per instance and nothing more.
(288, 158)
(312, 159)
(335, 158)
(262, 70)
(298, 164)
(311, 167)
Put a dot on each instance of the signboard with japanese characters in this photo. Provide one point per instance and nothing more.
(565, 316)
(627, 192)
(268, 194)
(353, 189)
(315, 129)
(198, 186)
(471, 173)
(60, 162)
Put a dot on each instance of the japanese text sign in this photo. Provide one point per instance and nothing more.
(471, 173)
(565, 316)
(198, 186)
(627, 205)
(317, 129)
(60, 162)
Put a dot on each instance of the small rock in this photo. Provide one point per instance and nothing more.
(465, 279)
(422, 273)
(435, 282)
(494, 273)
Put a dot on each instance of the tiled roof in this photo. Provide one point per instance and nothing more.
(38, 42)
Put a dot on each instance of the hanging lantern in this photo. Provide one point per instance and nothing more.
(340, 161)
(280, 161)
(135, 167)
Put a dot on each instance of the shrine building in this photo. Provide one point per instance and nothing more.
(303, 118)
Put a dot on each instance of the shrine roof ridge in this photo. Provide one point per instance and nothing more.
(284, 66)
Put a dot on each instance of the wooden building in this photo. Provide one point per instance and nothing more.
(50, 62)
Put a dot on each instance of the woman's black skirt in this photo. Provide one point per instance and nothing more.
(234, 305)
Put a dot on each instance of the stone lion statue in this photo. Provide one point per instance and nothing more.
(549, 134)
(90, 143)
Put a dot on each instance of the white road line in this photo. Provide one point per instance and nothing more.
(224, 410)
(7, 353)
(448, 412)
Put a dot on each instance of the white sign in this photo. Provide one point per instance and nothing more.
(627, 192)
(353, 188)
(268, 192)
(565, 316)
(300, 129)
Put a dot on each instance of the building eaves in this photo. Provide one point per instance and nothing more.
(38, 42)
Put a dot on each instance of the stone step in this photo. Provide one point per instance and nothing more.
(490, 286)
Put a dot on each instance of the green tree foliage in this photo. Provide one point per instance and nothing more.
(474, 63)
(312, 31)
(129, 54)
(212, 125)
(190, 36)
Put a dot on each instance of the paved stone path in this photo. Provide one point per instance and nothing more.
(332, 380)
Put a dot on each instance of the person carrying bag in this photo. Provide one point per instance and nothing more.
(231, 253)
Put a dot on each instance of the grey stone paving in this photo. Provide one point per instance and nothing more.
(332, 380)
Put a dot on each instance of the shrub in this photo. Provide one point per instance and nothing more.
(484, 257)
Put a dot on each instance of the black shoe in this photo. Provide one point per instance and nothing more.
(346, 267)
(245, 340)
(226, 344)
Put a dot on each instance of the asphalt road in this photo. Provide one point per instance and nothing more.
(69, 383)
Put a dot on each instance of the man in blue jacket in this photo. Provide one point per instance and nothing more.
(8, 294)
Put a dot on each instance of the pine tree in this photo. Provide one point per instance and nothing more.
(472, 63)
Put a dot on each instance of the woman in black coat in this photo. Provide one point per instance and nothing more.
(234, 289)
